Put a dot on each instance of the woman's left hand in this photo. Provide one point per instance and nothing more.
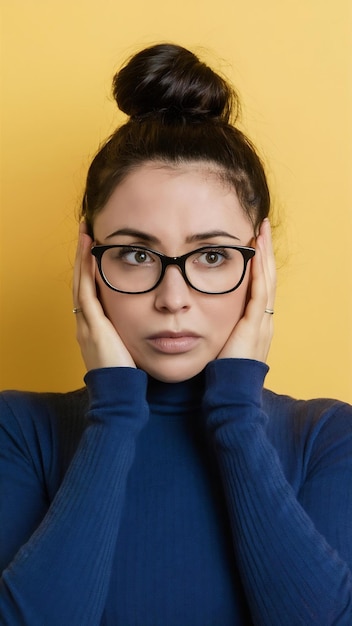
(252, 335)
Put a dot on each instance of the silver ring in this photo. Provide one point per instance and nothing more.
(270, 311)
(76, 310)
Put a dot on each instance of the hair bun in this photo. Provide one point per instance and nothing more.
(170, 80)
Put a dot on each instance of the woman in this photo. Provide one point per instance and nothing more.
(173, 490)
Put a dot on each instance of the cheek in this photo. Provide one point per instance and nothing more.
(115, 306)
(111, 301)
(123, 311)
(229, 309)
(237, 300)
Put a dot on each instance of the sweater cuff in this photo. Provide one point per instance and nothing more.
(234, 382)
(116, 391)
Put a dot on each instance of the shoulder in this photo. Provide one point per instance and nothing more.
(318, 431)
(306, 415)
(22, 406)
(32, 419)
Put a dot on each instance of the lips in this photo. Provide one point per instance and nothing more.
(170, 342)
(173, 334)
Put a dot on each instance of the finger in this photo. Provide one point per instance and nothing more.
(84, 291)
(269, 265)
(87, 295)
(77, 271)
(258, 293)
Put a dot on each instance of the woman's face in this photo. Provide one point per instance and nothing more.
(173, 331)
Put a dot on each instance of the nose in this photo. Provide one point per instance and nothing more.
(173, 294)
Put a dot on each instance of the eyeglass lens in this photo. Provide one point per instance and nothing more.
(134, 270)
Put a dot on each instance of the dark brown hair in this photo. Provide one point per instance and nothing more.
(179, 111)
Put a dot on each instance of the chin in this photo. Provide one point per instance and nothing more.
(173, 372)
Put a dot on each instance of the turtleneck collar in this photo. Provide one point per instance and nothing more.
(186, 394)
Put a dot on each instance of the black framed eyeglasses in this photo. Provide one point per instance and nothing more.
(136, 269)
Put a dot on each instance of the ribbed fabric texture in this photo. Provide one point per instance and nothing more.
(204, 503)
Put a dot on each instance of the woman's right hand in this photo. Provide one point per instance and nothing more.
(99, 341)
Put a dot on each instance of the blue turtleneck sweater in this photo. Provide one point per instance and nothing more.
(203, 503)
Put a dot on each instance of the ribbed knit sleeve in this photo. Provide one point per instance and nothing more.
(60, 577)
(290, 573)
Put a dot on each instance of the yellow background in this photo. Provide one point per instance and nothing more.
(291, 61)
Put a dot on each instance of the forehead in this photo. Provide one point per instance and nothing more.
(172, 199)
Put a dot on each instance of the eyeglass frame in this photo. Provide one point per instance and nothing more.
(97, 250)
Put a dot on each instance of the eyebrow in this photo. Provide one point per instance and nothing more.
(210, 235)
(131, 232)
(138, 234)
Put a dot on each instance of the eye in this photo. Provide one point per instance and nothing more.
(213, 257)
(134, 256)
(138, 256)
